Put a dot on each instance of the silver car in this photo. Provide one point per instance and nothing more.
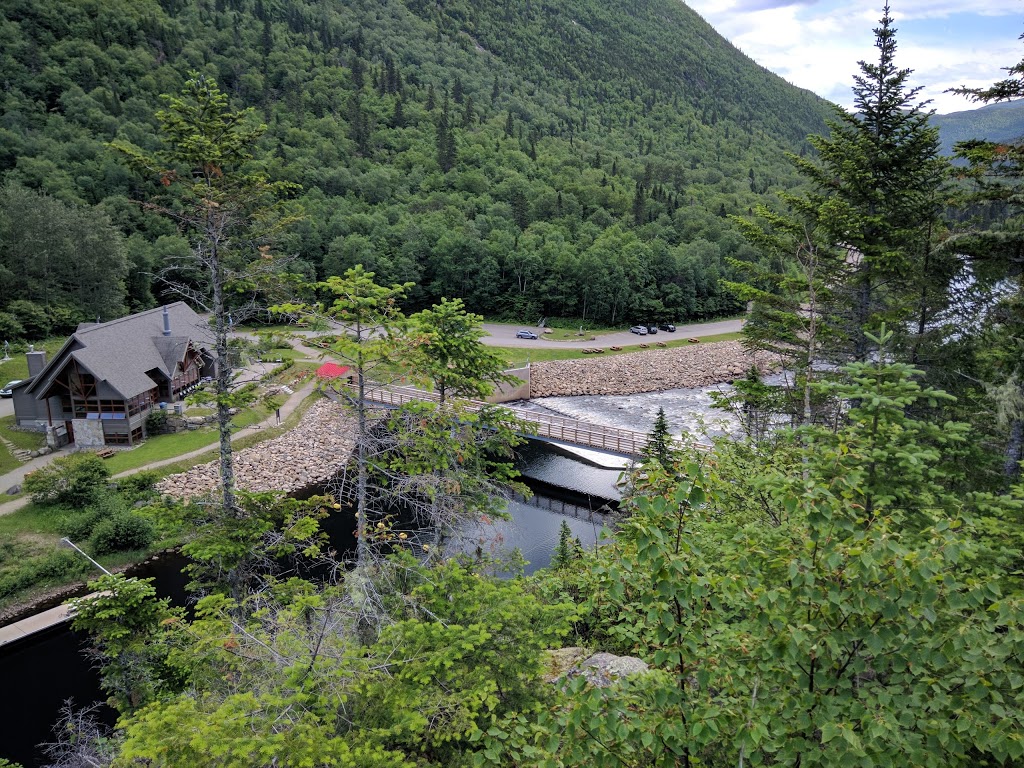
(7, 391)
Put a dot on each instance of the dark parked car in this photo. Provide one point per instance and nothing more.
(652, 329)
(668, 327)
(526, 335)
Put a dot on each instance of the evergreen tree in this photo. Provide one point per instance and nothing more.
(398, 116)
(445, 140)
(659, 444)
(877, 181)
(449, 355)
(230, 215)
(565, 551)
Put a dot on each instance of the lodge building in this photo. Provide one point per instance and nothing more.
(108, 377)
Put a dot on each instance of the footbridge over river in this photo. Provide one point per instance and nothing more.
(546, 427)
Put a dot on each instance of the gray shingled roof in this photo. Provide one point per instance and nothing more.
(121, 351)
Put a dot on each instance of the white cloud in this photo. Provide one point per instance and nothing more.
(816, 45)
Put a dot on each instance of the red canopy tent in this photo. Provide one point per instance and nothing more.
(331, 371)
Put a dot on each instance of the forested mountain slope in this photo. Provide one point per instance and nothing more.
(1003, 121)
(563, 158)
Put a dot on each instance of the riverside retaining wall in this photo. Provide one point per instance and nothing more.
(651, 370)
(310, 454)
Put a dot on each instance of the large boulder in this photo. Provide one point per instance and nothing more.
(599, 669)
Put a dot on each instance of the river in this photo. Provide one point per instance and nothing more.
(44, 671)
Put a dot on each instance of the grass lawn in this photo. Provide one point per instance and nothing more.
(8, 462)
(29, 538)
(250, 440)
(573, 334)
(284, 353)
(520, 356)
(162, 447)
(30, 441)
(17, 366)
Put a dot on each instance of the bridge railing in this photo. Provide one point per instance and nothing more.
(547, 425)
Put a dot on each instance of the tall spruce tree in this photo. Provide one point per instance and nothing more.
(878, 179)
(230, 214)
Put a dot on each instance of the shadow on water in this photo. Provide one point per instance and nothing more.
(42, 672)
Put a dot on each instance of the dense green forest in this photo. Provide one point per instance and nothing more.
(573, 159)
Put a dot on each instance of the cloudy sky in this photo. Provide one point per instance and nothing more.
(816, 44)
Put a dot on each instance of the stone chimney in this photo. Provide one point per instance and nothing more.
(167, 322)
(36, 361)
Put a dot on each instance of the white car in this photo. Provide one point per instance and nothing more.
(640, 330)
(7, 390)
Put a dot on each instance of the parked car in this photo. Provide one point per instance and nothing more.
(640, 330)
(526, 335)
(652, 329)
(668, 327)
(8, 387)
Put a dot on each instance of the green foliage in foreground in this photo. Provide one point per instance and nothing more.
(832, 603)
(838, 616)
(264, 679)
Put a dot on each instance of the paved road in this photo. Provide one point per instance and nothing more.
(504, 335)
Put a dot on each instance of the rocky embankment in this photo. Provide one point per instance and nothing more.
(308, 455)
(698, 365)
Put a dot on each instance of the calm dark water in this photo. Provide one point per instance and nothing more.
(38, 675)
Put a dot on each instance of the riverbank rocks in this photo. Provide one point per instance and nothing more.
(310, 454)
(650, 371)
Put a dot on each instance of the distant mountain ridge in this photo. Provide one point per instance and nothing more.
(993, 122)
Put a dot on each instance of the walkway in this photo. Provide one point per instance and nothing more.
(547, 427)
(17, 475)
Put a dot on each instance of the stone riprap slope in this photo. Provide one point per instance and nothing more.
(698, 365)
(310, 454)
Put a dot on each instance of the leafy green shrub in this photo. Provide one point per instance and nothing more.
(121, 532)
(60, 565)
(76, 480)
(156, 422)
(78, 526)
(277, 370)
(138, 486)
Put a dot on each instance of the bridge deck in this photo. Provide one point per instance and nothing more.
(559, 429)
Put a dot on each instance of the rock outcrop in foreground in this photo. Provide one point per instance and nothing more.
(308, 455)
(601, 670)
(699, 365)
